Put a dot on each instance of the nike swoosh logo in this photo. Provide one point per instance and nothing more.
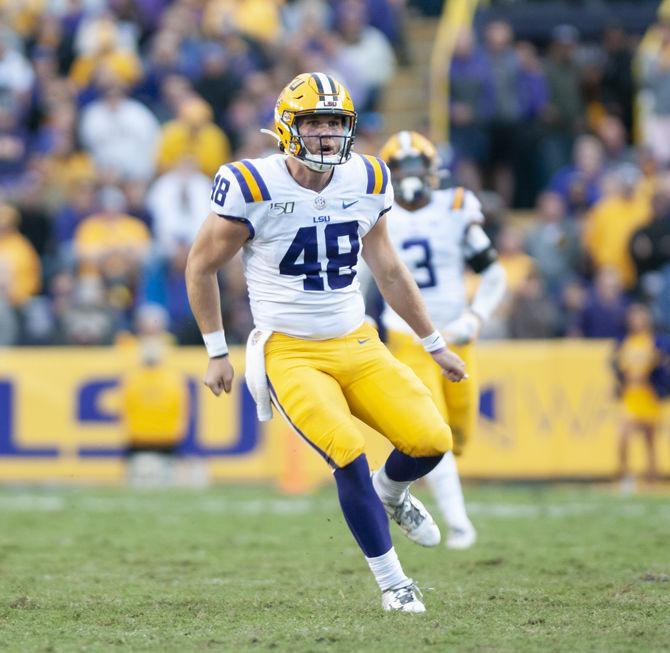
(362, 341)
(346, 206)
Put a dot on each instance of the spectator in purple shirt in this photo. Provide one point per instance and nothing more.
(163, 60)
(81, 203)
(533, 97)
(505, 118)
(533, 89)
(580, 182)
(14, 147)
(604, 312)
(471, 89)
(385, 15)
(564, 115)
(150, 12)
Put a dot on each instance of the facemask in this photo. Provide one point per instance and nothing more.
(411, 189)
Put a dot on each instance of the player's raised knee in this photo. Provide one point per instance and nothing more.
(346, 452)
(436, 442)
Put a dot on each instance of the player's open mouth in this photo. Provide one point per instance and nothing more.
(324, 146)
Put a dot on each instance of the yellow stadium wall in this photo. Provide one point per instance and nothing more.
(547, 411)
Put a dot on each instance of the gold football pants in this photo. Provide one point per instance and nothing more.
(319, 386)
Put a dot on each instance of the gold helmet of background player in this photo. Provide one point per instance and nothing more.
(314, 94)
(413, 161)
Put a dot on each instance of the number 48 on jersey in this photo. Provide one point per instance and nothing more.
(339, 264)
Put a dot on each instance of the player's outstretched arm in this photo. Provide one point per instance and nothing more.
(217, 243)
(402, 294)
(482, 258)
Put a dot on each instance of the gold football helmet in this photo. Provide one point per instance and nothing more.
(314, 94)
(413, 162)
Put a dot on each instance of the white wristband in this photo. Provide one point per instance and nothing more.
(215, 343)
(433, 342)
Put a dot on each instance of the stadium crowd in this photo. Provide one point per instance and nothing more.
(115, 114)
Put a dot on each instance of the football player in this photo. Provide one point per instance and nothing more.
(437, 233)
(303, 217)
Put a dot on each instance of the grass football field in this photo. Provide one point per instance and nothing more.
(246, 569)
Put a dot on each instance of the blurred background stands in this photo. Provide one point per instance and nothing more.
(114, 114)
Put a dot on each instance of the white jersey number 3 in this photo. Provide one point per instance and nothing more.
(422, 268)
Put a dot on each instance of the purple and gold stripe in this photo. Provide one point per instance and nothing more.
(377, 175)
(259, 180)
(251, 183)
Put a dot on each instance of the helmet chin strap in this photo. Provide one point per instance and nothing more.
(313, 165)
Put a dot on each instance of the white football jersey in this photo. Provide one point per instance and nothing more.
(433, 243)
(303, 250)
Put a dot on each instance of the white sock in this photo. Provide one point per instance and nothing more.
(387, 570)
(387, 490)
(446, 488)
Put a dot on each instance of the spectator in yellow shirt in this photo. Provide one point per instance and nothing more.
(193, 133)
(519, 266)
(113, 245)
(19, 258)
(259, 19)
(23, 17)
(105, 55)
(613, 220)
(154, 403)
(65, 166)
